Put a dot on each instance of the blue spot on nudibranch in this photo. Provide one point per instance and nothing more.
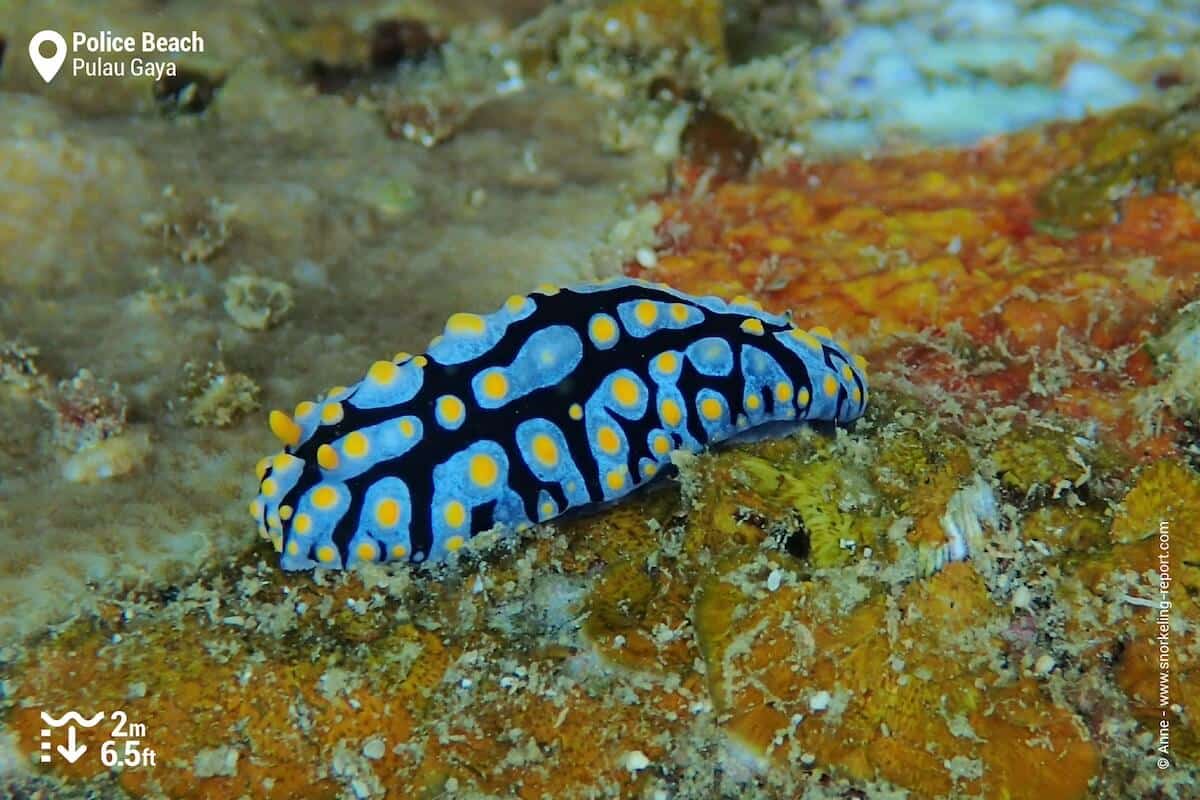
(547, 357)
(712, 411)
(544, 449)
(711, 356)
(387, 514)
(361, 449)
(468, 336)
(387, 384)
(556, 401)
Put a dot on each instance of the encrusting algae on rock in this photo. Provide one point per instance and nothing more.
(677, 616)
(804, 680)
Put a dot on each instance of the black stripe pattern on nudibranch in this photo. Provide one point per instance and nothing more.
(561, 399)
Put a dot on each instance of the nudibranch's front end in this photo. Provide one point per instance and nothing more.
(558, 400)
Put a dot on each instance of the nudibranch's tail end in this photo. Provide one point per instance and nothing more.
(833, 386)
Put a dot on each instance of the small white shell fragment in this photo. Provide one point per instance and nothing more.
(1021, 597)
(635, 761)
(646, 257)
(774, 580)
(374, 748)
(1044, 665)
(819, 701)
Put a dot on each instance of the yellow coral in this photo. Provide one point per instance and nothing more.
(622, 595)
(739, 497)
(635, 614)
(1165, 490)
(1124, 135)
(1038, 460)
(718, 598)
(902, 463)
(631, 529)
(814, 493)
(1063, 529)
(796, 675)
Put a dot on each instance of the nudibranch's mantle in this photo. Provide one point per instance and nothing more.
(559, 400)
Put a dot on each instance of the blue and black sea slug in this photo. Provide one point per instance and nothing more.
(559, 400)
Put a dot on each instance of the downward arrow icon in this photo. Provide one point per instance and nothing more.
(71, 752)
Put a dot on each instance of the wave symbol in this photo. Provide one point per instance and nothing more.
(72, 716)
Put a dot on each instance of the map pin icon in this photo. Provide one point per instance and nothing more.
(47, 67)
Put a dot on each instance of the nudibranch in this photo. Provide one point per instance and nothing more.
(559, 400)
